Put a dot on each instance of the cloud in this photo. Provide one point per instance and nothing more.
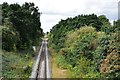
(55, 10)
(70, 8)
(48, 21)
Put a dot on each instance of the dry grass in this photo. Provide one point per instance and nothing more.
(109, 64)
(56, 71)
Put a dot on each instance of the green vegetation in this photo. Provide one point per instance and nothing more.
(56, 72)
(21, 28)
(16, 65)
(20, 32)
(60, 30)
(90, 50)
(87, 46)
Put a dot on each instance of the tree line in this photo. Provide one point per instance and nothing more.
(60, 30)
(87, 46)
(21, 26)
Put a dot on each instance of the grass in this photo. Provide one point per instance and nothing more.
(16, 65)
(56, 71)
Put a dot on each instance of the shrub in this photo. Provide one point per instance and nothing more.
(61, 62)
(9, 39)
(84, 69)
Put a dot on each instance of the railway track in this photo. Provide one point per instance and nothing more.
(41, 67)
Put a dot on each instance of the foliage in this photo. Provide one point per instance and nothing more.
(98, 48)
(106, 27)
(60, 30)
(61, 62)
(116, 26)
(82, 44)
(11, 68)
(84, 69)
(77, 54)
(86, 51)
(23, 20)
(21, 31)
(110, 64)
(9, 41)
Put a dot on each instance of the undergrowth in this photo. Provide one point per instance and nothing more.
(16, 65)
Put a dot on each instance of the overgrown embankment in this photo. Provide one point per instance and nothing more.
(16, 65)
(21, 32)
(87, 46)
(56, 71)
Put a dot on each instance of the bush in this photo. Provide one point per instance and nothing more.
(84, 69)
(77, 56)
(109, 66)
(83, 43)
(11, 68)
(61, 62)
(9, 39)
(85, 51)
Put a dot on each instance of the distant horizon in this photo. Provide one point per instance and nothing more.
(55, 10)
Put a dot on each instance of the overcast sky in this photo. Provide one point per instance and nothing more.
(55, 10)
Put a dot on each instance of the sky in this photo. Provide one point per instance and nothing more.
(55, 10)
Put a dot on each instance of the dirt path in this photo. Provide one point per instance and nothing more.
(56, 71)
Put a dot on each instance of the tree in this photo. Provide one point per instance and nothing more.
(60, 30)
(25, 20)
(106, 27)
(116, 26)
